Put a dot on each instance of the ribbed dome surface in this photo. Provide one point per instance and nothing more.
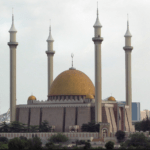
(72, 82)
(111, 98)
(31, 97)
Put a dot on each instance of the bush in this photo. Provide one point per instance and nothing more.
(87, 145)
(120, 135)
(138, 141)
(16, 144)
(35, 143)
(109, 145)
(3, 146)
(23, 138)
(50, 145)
(58, 138)
(90, 127)
(4, 139)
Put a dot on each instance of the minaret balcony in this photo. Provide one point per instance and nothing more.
(50, 52)
(97, 39)
(128, 48)
(13, 43)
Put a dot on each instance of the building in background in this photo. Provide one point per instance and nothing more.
(136, 113)
(136, 116)
(145, 113)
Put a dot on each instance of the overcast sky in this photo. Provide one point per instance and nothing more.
(72, 29)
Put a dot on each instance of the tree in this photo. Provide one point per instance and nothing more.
(90, 127)
(136, 140)
(16, 126)
(17, 144)
(120, 135)
(87, 145)
(4, 140)
(44, 127)
(57, 138)
(143, 125)
(35, 143)
(4, 127)
(3, 146)
(23, 138)
(34, 128)
(109, 145)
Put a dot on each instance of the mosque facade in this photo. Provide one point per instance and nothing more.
(72, 97)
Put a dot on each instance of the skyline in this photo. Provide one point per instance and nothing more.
(73, 34)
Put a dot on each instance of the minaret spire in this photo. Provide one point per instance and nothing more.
(128, 50)
(50, 53)
(97, 39)
(50, 38)
(97, 23)
(12, 45)
(12, 29)
(127, 34)
(97, 9)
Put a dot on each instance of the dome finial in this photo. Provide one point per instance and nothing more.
(72, 55)
(72, 68)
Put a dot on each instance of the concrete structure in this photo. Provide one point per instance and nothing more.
(50, 53)
(5, 117)
(12, 45)
(98, 81)
(69, 110)
(128, 49)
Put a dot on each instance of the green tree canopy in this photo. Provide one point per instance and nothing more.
(57, 138)
(44, 127)
(90, 127)
(4, 127)
(109, 145)
(120, 135)
(137, 140)
(143, 125)
(16, 126)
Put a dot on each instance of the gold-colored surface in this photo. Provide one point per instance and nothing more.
(89, 96)
(72, 82)
(111, 98)
(32, 97)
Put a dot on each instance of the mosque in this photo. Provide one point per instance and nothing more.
(72, 97)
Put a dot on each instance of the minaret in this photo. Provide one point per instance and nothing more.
(128, 49)
(50, 53)
(12, 45)
(97, 39)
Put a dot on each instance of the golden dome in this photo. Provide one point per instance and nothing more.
(89, 96)
(72, 82)
(32, 97)
(111, 98)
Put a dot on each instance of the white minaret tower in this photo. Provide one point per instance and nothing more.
(12, 45)
(128, 49)
(50, 53)
(98, 81)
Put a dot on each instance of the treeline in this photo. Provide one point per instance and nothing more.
(16, 126)
(143, 125)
